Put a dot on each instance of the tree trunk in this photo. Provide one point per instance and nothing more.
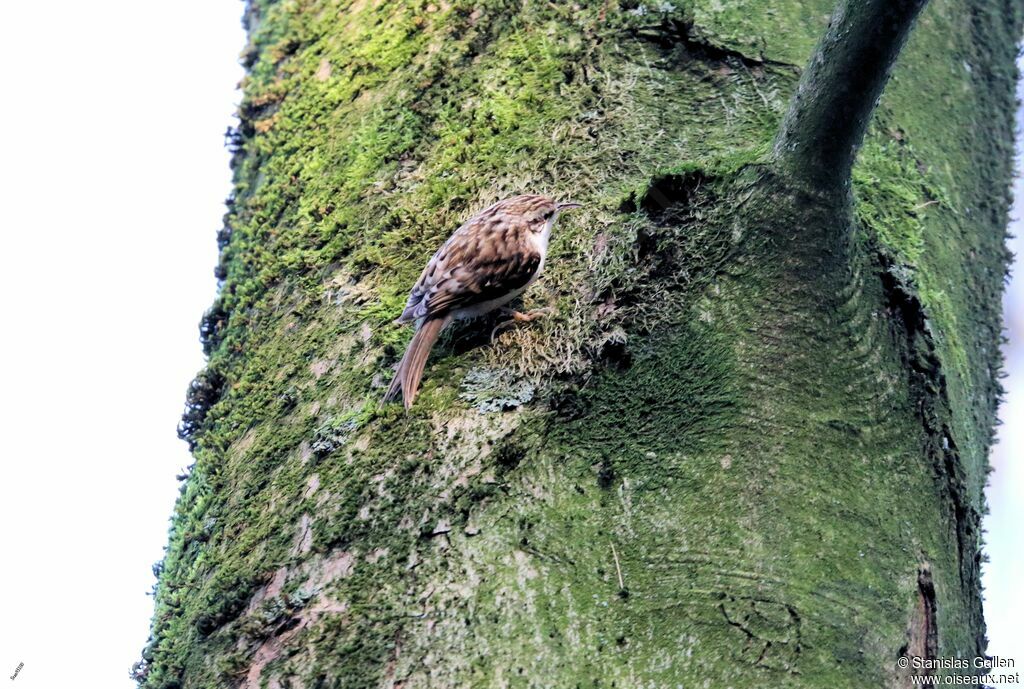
(750, 447)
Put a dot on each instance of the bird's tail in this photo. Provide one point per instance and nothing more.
(410, 370)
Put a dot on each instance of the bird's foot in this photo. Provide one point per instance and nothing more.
(520, 317)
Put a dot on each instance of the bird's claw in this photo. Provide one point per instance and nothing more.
(520, 317)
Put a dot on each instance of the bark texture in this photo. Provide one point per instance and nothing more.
(749, 450)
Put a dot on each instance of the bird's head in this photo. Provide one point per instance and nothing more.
(539, 212)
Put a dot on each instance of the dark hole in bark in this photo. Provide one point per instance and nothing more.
(922, 632)
(605, 473)
(677, 39)
(615, 355)
(509, 456)
(666, 195)
(567, 404)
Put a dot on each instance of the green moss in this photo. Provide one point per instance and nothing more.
(678, 391)
(778, 31)
(894, 196)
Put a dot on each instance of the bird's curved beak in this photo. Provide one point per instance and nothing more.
(567, 206)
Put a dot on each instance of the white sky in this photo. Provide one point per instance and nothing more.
(112, 181)
(1004, 604)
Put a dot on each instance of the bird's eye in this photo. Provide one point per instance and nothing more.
(547, 216)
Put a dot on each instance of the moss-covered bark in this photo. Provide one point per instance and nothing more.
(748, 451)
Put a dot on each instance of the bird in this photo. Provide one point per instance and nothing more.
(486, 263)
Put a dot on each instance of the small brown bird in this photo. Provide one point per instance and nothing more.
(485, 264)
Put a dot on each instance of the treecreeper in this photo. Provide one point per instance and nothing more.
(486, 263)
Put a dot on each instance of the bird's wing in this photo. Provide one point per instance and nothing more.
(479, 262)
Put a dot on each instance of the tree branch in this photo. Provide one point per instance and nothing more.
(830, 110)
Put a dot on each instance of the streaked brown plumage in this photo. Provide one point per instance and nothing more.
(485, 264)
